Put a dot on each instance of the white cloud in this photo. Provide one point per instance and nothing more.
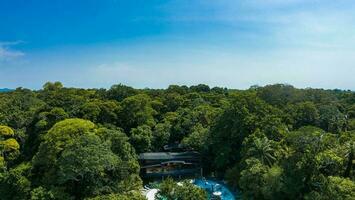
(302, 23)
(7, 53)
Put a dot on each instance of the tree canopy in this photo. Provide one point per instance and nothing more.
(270, 142)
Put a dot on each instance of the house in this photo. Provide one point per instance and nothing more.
(173, 164)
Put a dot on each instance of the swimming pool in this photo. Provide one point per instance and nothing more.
(214, 188)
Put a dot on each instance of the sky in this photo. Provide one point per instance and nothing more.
(155, 43)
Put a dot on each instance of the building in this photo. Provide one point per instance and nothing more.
(173, 164)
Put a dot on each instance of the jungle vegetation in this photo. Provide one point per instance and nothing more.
(271, 142)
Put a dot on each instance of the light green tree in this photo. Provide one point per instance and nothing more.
(78, 158)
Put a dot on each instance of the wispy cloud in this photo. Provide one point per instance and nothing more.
(289, 23)
(7, 52)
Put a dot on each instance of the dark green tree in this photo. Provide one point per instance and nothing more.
(136, 111)
(120, 92)
(141, 138)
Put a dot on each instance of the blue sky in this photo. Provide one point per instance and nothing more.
(97, 43)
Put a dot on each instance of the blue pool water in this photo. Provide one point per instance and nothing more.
(214, 187)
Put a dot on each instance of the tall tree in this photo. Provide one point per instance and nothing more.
(74, 158)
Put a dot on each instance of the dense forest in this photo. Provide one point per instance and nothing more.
(271, 142)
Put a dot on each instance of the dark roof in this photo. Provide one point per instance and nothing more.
(165, 163)
(181, 172)
(168, 155)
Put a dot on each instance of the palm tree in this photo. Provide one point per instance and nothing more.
(350, 147)
(262, 149)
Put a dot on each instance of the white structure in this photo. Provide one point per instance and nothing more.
(151, 194)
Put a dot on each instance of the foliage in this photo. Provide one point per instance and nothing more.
(244, 116)
(197, 139)
(251, 179)
(169, 189)
(271, 142)
(331, 119)
(9, 147)
(305, 113)
(6, 131)
(133, 195)
(120, 92)
(141, 138)
(75, 158)
(136, 111)
(15, 184)
(161, 135)
(41, 193)
(336, 188)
